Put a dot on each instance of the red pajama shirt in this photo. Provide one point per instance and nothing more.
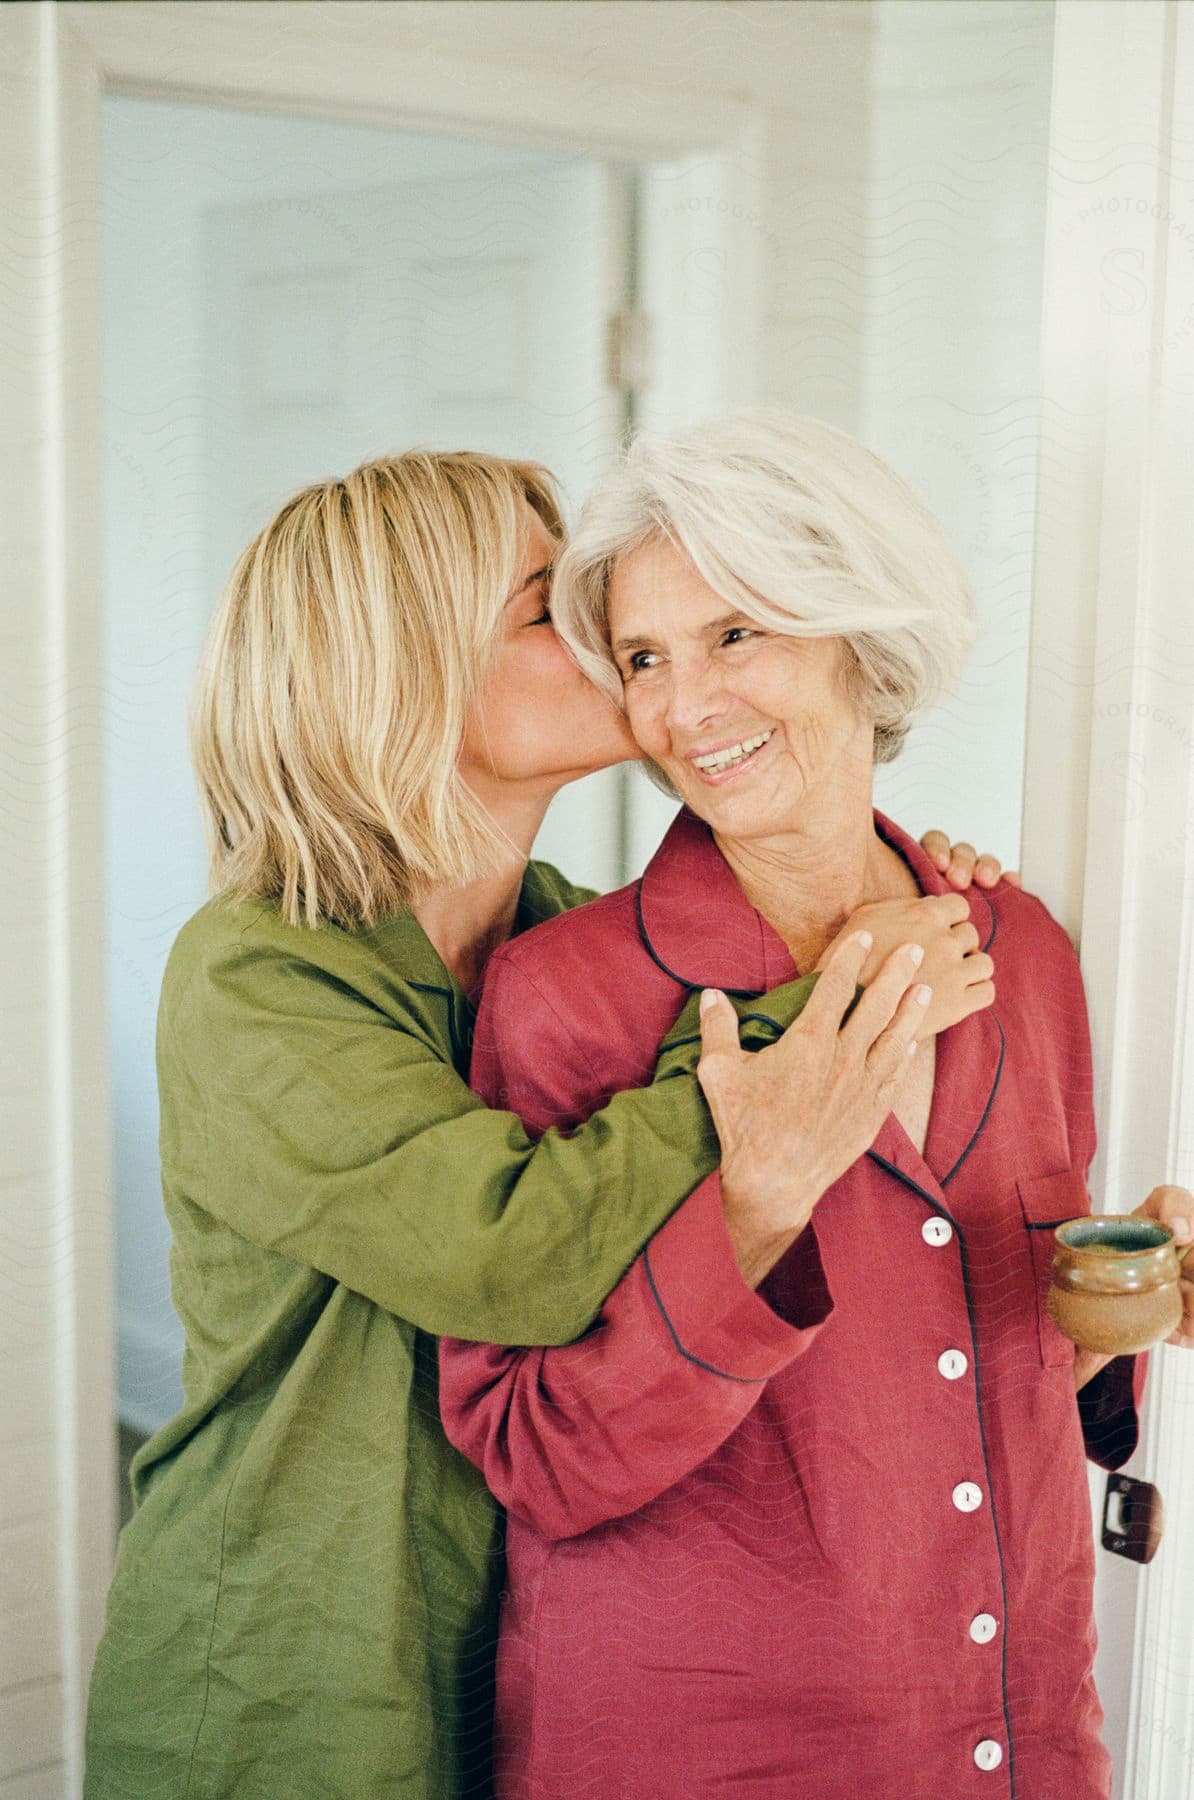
(833, 1537)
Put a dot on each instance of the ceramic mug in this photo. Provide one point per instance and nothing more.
(1115, 1282)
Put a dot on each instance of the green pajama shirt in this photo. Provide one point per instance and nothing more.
(304, 1605)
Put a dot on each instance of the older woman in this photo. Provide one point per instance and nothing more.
(806, 1514)
(304, 1599)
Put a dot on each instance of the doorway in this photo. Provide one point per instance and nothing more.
(284, 298)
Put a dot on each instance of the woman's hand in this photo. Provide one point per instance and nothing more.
(1174, 1206)
(961, 865)
(959, 973)
(793, 1117)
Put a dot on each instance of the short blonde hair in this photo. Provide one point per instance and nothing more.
(802, 528)
(350, 641)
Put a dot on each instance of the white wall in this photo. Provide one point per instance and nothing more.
(951, 368)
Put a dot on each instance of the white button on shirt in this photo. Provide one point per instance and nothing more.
(988, 1754)
(967, 1496)
(936, 1231)
(983, 1628)
(952, 1364)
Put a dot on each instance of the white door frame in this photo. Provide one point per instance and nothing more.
(57, 63)
(1108, 837)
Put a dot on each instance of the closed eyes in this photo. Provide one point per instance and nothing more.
(537, 590)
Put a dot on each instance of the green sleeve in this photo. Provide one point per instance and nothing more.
(547, 892)
(322, 1127)
(762, 1021)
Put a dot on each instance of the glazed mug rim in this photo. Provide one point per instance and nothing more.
(1097, 1228)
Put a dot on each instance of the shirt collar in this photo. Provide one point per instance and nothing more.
(698, 925)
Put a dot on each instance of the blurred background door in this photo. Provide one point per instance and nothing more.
(463, 311)
(285, 298)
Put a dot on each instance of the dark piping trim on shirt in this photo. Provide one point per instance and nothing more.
(747, 1380)
(990, 1101)
(681, 981)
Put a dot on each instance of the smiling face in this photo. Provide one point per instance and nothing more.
(538, 723)
(751, 728)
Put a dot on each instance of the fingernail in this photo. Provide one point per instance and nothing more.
(916, 954)
(708, 999)
(922, 994)
(866, 939)
(1180, 1228)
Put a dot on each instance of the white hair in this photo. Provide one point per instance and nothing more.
(800, 527)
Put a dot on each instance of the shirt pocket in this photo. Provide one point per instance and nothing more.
(1047, 1201)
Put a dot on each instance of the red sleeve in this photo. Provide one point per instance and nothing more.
(570, 1437)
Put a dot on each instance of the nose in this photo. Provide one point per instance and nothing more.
(696, 698)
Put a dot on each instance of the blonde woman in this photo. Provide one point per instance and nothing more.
(304, 1601)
